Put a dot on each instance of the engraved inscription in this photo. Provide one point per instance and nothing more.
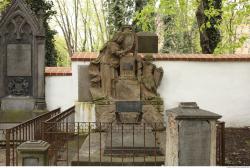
(19, 60)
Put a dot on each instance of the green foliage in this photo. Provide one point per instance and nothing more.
(46, 6)
(145, 19)
(61, 48)
(3, 4)
(118, 13)
(235, 14)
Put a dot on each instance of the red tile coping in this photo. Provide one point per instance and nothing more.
(58, 71)
(88, 56)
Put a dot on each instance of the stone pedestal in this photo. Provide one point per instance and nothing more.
(33, 153)
(13, 103)
(191, 136)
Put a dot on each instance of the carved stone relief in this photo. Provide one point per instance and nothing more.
(19, 86)
(120, 74)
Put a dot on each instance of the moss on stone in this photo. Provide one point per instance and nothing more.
(13, 116)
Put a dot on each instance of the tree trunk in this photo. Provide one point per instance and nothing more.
(209, 36)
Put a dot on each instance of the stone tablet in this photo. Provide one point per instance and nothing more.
(129, 106)
(83, 84)
(19, 60)
(147, 42)
(194, 143)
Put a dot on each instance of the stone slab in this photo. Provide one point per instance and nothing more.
(194, 143)
(19, 60)
(128, 90)
(147, 42)
(12, 103)
(84, 94)
(128, 106)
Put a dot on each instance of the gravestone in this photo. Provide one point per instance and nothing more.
(191, 136)
(22, 58)
(123, 87)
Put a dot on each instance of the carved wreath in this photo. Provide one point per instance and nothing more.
(18, 87)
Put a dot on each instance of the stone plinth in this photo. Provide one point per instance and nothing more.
(191, 136)
(33, 153)
(13, 103)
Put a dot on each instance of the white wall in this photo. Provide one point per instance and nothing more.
(59, 92)
(220, 87)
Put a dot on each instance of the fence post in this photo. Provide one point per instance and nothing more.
(42, 131)
(223, 143)
(8, 147)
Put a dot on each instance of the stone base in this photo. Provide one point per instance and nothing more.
(12, 103)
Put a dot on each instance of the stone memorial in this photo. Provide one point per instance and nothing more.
(33, 153)
(22, 58)
(191, 136)
(120, 74)
(123, 88)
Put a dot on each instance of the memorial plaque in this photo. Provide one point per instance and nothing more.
(19, 60)
(129, 106)
(194, 143)
(147, 42)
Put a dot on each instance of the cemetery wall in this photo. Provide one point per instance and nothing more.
(218, 84)
(58, 90)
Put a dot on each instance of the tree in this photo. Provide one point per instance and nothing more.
(209, 17)
(118, 13)
(235, 14)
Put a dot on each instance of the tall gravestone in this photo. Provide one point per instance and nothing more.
(22, 58)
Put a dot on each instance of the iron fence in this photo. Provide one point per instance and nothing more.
(27, 131)
(93, 143)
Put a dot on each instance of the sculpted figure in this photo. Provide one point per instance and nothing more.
(151, 79)
(104, 69)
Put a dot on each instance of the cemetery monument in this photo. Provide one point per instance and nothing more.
(22, 59)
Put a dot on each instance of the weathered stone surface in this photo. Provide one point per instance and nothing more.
(22, 54)
(128, 90)
(17, 103)
(195, 143)
(84, 84)
(191, 136)
(105, 113)
(19, 60)
(33, 153)
(147, 42)
(153, 113)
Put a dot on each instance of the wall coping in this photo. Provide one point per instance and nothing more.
(58, 71)
(89, 56)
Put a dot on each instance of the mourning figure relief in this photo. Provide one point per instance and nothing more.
(119, 73)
